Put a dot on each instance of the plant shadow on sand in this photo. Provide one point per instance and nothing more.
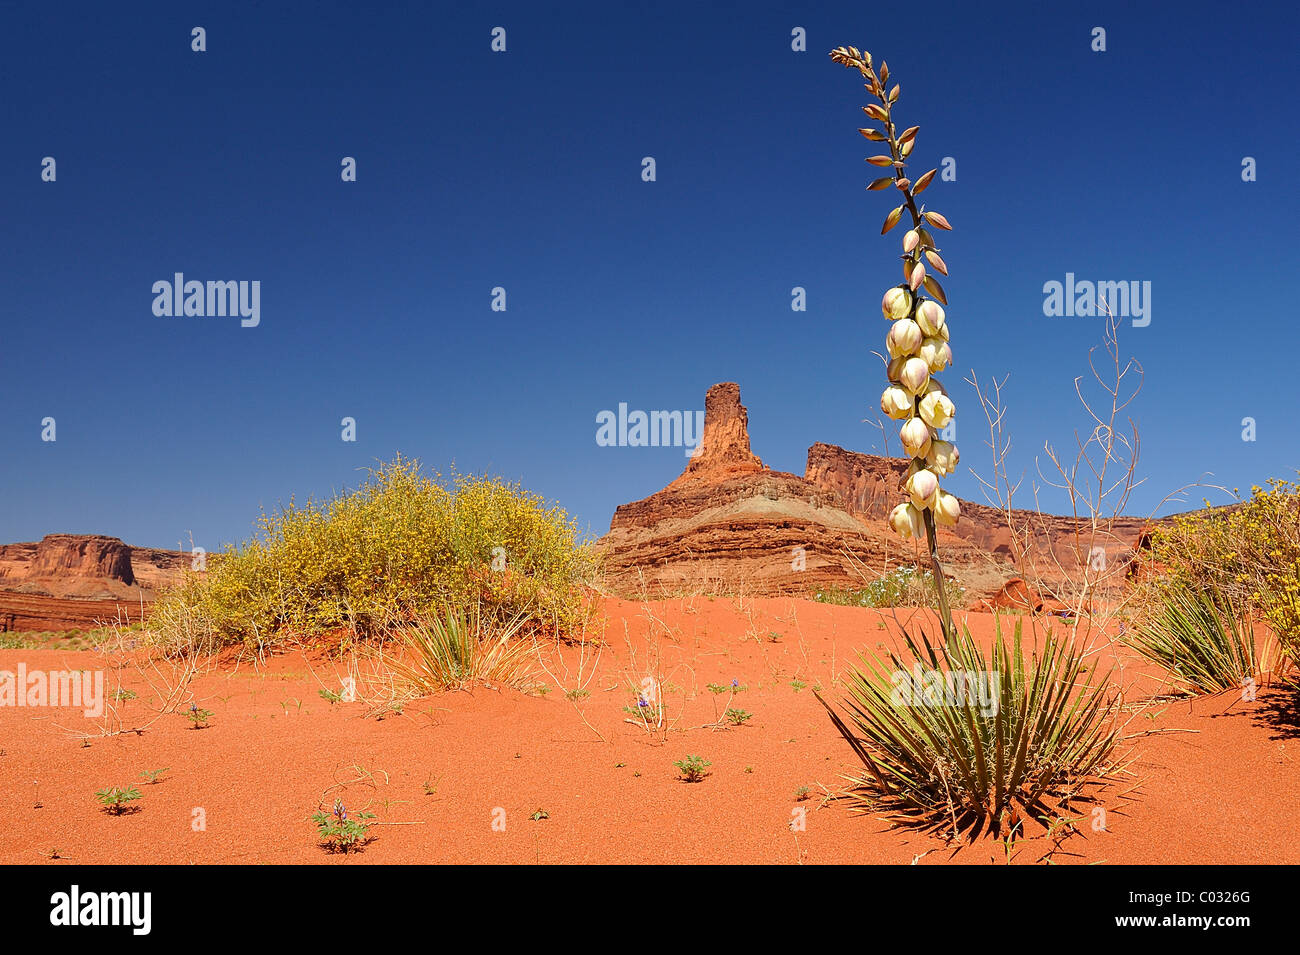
(1279, 710)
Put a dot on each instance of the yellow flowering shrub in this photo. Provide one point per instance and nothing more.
(1249, 553)
(401, 544)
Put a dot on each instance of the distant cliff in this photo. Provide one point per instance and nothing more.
(73, 581)
(730, 523)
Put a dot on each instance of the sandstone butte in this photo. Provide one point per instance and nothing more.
(77, 581)
(727, 524)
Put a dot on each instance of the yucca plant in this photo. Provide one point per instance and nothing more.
(957, 740)
(1199, 636)
(459, 649)
(1036, 735)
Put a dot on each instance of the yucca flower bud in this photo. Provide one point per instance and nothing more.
(917, 276)
(911, 240)
(906, 520)
(913, 375)
(935, 353)
(936, 409)
(947, 510)
(904, 338)
(915, 437)
(896, 403)
(894, 370)
(943, 457)
(929, 315)
(923, 488)
(896, 304)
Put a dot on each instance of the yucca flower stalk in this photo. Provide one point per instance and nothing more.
(955, 738)
(918, 341)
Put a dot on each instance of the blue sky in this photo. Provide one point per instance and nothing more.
(522, 170)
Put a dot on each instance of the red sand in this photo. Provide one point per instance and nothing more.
(1226, 792)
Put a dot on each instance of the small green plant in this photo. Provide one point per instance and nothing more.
(692, 769)
(340, 832)
(576, 696)
(717, 689)
(198, 717)
(737, 717)
(801, 793)
(644, 712)
(116, 800)
(540, 815)
(151, 776)
(330, 696)
(120, 695)
(798, 685)
(735, 686)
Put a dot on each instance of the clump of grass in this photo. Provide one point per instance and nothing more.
(903, 587)
(52, 639)
(459, 650)
(1038, 734)
(1248, 553)
(1205, 642)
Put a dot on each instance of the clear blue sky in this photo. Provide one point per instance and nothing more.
(523, 170)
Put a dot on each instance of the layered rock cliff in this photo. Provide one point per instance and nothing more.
(729, 523)
(1049, 547)
(74, 581)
